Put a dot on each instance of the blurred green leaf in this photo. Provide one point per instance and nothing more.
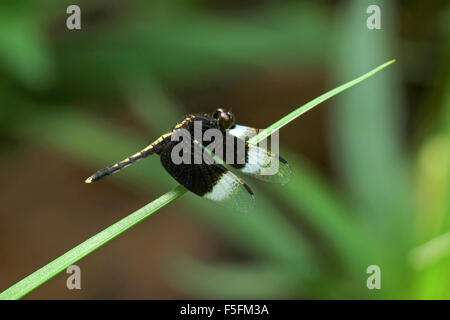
(312, 199)
(227, 281)
(147, 98)
(23, 48)
(185, 45)
(366, 137)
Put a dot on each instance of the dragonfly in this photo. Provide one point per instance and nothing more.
(217, 181)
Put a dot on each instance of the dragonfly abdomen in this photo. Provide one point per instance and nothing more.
(149, 150)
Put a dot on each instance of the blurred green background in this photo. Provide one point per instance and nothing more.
(371, 167)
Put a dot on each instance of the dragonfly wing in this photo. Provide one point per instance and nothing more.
(259, 162)
(210, 181)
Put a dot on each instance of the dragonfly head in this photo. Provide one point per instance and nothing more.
(225, 119)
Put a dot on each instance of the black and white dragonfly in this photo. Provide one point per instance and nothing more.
(212, 180)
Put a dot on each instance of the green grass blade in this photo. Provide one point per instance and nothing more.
(53, 268)
(37, 278)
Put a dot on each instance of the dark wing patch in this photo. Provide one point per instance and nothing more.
(210, 181)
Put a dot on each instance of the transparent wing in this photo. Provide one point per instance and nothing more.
(259, 162)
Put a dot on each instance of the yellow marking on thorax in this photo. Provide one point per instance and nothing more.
(180, 124)
(183, 122)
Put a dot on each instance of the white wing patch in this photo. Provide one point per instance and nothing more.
(243, 131)
(223, 188)
(231, 192)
